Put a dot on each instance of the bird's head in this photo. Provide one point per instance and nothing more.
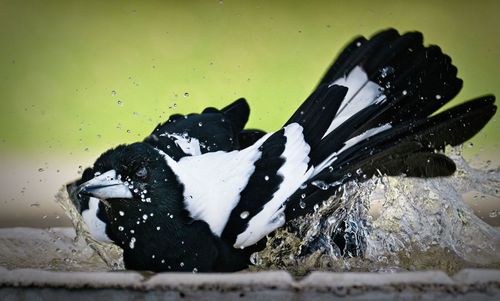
(129, 192)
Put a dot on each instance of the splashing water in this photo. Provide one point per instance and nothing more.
(110, 253)
(383, 224)
(392, 224)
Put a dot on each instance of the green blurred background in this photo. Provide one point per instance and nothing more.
(77, 77)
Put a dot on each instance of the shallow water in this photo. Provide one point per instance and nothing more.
(389, 224)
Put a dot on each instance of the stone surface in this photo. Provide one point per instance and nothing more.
(30, 284)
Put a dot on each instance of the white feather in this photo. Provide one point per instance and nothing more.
(213, 182)
(294, 172)
(348, 144)
(360, 94)
(189, 145)
(96, 226)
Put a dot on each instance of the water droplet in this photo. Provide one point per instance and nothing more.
(302, 204)
(244, 214)
(119, 102)
(303, 186)
(405, 92)
(158, 228)
(438, 97)
(121, 213)
(316, 207)
(266, 178)
(145, 217)
(320, 184)
(303, 196)
(200, 123)
(255, 259)
(120, 228)
(35, 205)
(40, 169)
(493, 214)
(132, 243)
(386, 71)
(195, 270)
(153, 256)
(186, 94)
(181, 264)
(113, 93)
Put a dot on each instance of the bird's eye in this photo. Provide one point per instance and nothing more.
(141, 172)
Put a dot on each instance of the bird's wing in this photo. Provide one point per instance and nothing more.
(210, 131)
(241, 194)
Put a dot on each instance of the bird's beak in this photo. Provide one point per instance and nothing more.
(105, 186)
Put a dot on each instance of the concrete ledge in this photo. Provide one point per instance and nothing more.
(26, 284)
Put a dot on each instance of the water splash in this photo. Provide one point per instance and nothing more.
(393, 224)
(110, 253)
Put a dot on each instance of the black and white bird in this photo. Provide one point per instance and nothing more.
(201, 193)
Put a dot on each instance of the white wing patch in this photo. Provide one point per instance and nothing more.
(360, 94)
(213, 182)
(95, 225)
(348, 144)
(189, 145)
(294, 172)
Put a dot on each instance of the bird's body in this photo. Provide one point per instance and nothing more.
(201, 192)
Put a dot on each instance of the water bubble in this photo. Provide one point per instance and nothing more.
(200, 123)
(438, 97)
(244, 214)
(316, 207)
(145, 217)
(493, 214)
(303, 186)
(113, 93)
(35, 205)
(186, 94)
(119, 102)
(121, 213)
(181, 264)
(120, 228)
(405, 92)
(266, 178)
(302, 204)
(195, 270)
(40, 169)
(158, 228)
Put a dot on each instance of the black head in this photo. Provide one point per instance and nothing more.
(129, 195)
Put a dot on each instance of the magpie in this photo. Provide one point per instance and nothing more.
(201, 192)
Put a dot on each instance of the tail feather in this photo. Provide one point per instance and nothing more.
(382, 124)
